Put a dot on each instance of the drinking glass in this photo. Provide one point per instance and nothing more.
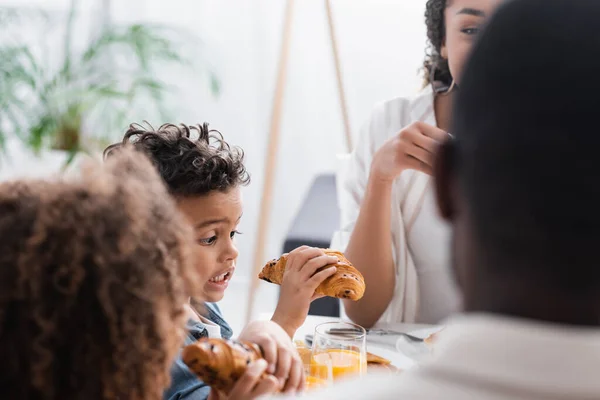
(320, 377)
(317, 377)
(342, 346)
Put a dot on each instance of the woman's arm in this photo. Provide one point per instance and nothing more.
(370, 244)
(370, 251)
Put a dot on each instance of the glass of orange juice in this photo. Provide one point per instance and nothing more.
(342, 346)
(314, 378)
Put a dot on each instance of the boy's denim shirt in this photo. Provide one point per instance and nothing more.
(184, 383)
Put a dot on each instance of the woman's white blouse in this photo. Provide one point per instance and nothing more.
(425, 291)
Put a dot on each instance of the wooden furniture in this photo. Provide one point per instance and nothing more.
(274, 134)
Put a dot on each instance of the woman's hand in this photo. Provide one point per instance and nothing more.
(282, 358)
(251, 385)
(300, 280)
(414, 147)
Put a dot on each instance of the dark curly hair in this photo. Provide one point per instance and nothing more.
(94, 274)
(435, 67)
(189, 166)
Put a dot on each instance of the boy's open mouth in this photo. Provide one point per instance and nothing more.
(223, 277)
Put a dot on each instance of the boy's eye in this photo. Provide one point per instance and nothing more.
(208, 241)
(232, 234)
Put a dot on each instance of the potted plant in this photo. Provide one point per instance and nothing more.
(47, 105)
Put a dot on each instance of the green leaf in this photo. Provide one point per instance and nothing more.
(67, 51)
(11, 116)
(45, 128)
(17, 65)
(71, 154)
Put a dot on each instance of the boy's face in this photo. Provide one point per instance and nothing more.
(215, 218)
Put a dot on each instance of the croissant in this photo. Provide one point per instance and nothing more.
(346, 283)
(219, 362)
(375, 359)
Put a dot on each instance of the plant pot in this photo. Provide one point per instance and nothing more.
(68, 138)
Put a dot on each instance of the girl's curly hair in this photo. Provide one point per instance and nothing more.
(190, 166)
(94, 274)
(435, 66)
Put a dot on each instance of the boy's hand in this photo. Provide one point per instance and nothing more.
(300, 280)
(283, 359)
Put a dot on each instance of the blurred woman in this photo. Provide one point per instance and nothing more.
(391, 230)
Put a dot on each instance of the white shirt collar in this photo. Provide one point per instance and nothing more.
(422, 106)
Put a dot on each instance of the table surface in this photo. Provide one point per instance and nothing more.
(382, 346)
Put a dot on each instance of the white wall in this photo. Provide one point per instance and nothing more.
(381, 44)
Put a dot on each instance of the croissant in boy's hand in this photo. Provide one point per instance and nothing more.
(346, 283)
(219, 362)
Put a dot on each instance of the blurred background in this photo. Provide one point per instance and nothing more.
(75, 73)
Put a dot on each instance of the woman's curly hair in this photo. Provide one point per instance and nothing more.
(94, 274)
(435, 66)
(189, 166)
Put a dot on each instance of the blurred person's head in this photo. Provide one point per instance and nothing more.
(520, 182)
(452, 28)
(204, 174)
(94, 275)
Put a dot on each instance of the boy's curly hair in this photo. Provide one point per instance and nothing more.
(94, 274)
(435, 66)
(190, 166)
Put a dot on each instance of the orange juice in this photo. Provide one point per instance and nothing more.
(312, 382)
(343, 363)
